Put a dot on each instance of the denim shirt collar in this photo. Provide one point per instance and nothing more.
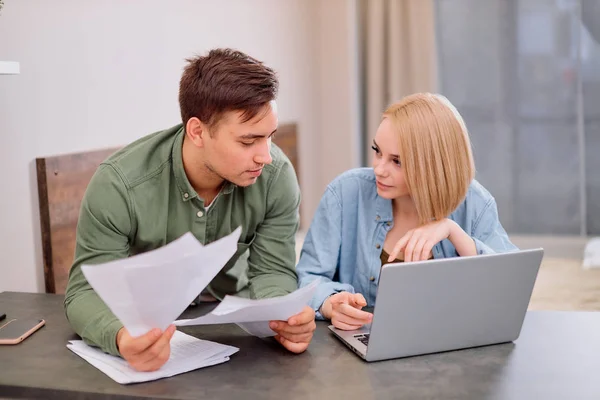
(383, 209)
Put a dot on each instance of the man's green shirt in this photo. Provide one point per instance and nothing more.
(140, 199)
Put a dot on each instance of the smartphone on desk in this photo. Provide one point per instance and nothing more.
(14, 331)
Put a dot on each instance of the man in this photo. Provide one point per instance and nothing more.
(209, 175)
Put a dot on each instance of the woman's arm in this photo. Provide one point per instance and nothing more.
(319, 258)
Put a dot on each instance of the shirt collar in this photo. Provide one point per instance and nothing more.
(383, 209)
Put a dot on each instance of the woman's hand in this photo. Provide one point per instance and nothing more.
(417, 243)
(344, 310)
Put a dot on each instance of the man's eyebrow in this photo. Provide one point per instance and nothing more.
(255, 135)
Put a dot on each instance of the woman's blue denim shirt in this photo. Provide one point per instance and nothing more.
(343, 245)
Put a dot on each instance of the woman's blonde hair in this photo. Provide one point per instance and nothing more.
(435, 153)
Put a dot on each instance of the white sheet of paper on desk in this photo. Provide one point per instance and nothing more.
(254, 315)
(150, 290)
(187, 353)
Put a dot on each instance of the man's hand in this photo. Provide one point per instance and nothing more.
(344, 310)
(148, 352)
(295, 333)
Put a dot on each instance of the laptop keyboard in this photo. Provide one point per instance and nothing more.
(363, 338)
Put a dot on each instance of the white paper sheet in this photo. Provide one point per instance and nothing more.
(187, 353)
(254, 315)
(150, 290)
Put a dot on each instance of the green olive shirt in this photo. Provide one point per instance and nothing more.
(140, 199)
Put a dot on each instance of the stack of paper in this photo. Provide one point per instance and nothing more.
(187, 353)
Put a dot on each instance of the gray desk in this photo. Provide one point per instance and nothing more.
(556, 357)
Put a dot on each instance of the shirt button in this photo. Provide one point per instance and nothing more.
(377, 246)
(186, 195)
(372, 279)
(200, 214)
(377, 218)
(388, 223)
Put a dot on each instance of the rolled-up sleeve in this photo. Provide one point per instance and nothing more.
(489, 234)
(320, 254)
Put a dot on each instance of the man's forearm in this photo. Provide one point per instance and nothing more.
(94, 322)
(272, 285)
(92, 319)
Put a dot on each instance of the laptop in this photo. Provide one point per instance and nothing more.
(447, 304)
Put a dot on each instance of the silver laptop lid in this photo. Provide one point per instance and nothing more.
(447, 304)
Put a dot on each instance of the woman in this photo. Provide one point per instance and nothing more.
(419, 201)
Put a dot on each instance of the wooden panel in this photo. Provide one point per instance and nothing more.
(62, 181)
(286, 138)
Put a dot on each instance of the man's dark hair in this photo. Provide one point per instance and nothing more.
(225, 80)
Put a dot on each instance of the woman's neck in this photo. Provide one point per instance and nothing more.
(403, 208)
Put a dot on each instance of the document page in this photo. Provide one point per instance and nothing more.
(150, 290)
(187, 353)
(254, 315)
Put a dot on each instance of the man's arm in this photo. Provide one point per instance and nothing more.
(102, 235)
(272, 257)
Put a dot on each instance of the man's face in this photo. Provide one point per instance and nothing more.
(237, 151)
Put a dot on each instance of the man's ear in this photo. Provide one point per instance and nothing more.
(196, 131)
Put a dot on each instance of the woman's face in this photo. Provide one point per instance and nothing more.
(386, 163)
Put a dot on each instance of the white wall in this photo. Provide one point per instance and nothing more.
(338, 88)
(96, 74)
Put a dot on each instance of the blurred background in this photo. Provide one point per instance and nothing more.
(525, 75)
